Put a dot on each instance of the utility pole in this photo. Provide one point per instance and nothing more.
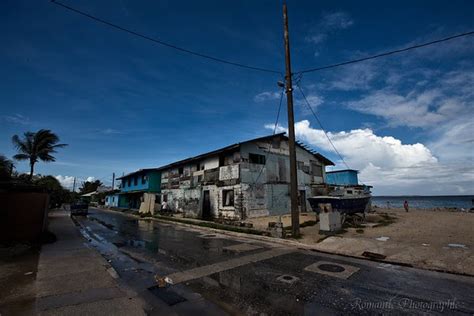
(295, 216)
(113, 181)
(74, 185)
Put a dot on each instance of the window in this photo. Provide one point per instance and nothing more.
(165, 197)
(227, 197)
(257, 159)
(135, 180)
(143, 179)
(158, 199)
(300, 165)
(129, 181)
(349, 191)
(316, 169)
(180, 170)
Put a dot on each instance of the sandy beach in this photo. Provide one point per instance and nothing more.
(425, 238)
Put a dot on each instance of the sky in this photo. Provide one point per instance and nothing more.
(123, 103)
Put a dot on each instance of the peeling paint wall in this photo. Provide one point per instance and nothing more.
(257, 173)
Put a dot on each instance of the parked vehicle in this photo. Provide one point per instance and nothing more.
(80, 207)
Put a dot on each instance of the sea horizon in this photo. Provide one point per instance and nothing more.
(424, 201)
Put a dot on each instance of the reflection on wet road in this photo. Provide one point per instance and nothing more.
(217, 274)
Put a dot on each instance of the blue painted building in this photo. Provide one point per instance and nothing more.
(135, 186)
(112, 200)
(342, 177)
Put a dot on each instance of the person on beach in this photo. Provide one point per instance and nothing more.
(405, 205)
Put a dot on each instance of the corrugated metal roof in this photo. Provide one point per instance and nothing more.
(227, 148)
(138, 171)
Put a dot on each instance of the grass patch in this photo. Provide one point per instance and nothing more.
(302, 225)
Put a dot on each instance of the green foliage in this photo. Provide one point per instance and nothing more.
(36, 146)
(89, 186)
(6, 167)
(57, 194)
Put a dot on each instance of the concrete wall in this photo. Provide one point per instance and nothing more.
(270, 182)
(259, 189)
(23, 215)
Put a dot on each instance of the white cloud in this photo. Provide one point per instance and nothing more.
(267, 96)
(110, 131)
(66, 181)
(90, 179)
(337, 20)
(16, 119)
(388, 164)
(440, 100)
(328, 24)
(353, 77)
(314, 101)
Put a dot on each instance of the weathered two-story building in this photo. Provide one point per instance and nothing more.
(247, 179)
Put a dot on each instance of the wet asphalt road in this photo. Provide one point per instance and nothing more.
(235, 278)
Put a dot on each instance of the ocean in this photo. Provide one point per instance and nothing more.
(457, 201)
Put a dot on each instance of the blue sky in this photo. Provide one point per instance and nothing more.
(123, 103)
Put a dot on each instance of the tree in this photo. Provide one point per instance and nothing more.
(36, 146)
(57, 194)
(6, 167)
(89, 186)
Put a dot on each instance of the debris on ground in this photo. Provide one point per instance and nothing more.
(373, 255)
(457, 246)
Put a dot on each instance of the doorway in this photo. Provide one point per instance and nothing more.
(206, 205)
(302, 201)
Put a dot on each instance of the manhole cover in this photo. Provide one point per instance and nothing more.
(331, 268)
(287, 278)
(167, 295)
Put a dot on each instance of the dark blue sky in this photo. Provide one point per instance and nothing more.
(123, 103)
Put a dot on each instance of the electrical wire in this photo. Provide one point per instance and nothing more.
(321, 125)
(397, 51)
(274, 131)
(163, 43)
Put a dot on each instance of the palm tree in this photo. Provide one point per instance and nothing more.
(36, 146)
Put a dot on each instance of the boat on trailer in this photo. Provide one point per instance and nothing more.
(346, 199)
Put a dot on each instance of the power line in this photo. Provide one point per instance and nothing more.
(321, 125)
(387, 53)
(158, 41)
(274, 131)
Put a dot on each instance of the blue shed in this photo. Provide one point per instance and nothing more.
(342, 177)
(112, 200)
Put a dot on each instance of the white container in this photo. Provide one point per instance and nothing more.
(330, 221)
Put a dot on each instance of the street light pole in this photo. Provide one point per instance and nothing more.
(295, 217)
